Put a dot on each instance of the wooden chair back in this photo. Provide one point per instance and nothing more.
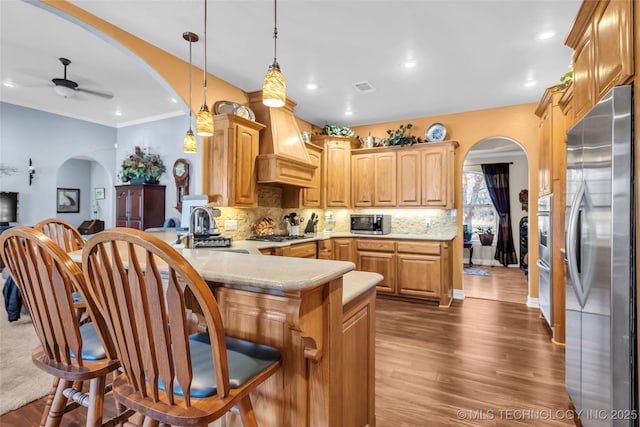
(47, 277)
(138, 283)
(61, 232)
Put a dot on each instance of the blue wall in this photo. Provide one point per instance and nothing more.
(50, 140)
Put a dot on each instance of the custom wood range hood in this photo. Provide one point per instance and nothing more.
(283, 157)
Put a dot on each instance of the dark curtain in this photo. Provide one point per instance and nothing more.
(497, 178)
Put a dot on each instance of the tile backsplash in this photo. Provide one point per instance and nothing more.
(270, 200)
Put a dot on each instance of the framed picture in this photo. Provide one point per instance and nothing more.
(68, 200)
(98, 193)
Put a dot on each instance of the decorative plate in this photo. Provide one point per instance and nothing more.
(224, 107)
(436, 132)
(244, 112)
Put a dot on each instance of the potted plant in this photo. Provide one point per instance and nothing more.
(466, 233)
(485, 234)
(142, 167)
(401, 136)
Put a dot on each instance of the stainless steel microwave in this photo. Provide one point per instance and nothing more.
(371, 224)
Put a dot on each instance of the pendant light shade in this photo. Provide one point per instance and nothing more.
(189, 144)
(204, 119)
(274, 89)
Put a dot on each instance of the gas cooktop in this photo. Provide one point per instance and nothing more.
(277, 238)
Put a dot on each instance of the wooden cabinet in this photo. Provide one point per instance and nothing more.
(602, 39)
(551, 140)
(299, 197)
(325, 249)
(437, 176)
(298, 250)
(373, 179)
(344, 249)
(140, 206)
(378, 256)
(336, 165)
(229, 161)
(419, 269)
(411, 268)
(419, 175)
(312, 197)
(409, 178)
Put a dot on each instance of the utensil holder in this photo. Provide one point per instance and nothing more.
(295, 230)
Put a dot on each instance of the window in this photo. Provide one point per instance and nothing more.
(478, 209)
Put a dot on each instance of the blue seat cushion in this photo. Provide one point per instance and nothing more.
(246, 360)
(91, 346)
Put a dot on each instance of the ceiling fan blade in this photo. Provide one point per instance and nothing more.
(93, 92)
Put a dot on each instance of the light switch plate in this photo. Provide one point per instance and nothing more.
(230, 224)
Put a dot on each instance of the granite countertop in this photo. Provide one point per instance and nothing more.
(254, 246)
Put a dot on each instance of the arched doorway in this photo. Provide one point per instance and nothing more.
(94, 189)
(483, 276)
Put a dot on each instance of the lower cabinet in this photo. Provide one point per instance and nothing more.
(414, 269)
(379, 256)
(298, 250)
(344, 249)
(325, 249)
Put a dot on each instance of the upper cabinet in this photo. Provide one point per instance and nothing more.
(602, 39)
(552, 140)
(373, 178)
(229, 161)
(336, 174)
(419, 175)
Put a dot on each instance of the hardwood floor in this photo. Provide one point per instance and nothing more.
(502, 284)
(479, 357)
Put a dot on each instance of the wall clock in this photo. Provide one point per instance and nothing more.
(181, 175)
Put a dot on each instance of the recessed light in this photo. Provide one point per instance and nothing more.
(409, 64)
(312, 86)
(118, 113)
(530, 83)
(348, 113)
(9, 84)
(547, 35)
(175, 101)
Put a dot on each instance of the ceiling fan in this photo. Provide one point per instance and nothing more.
(68, 88)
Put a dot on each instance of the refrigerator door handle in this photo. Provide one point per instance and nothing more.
(572, 245)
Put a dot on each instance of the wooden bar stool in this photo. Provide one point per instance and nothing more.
(170, 377)
(73, 354)
(70, 240)
(61, 232)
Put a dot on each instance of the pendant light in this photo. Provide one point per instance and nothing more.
(204, 119)
(274, 89)
(190, 145)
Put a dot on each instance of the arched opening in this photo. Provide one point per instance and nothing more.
(483, 275)
(84, 191)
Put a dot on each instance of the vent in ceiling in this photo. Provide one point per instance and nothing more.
(364, 87)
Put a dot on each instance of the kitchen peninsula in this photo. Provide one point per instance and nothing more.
(319, 313)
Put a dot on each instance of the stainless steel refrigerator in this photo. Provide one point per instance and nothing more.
(600, 354)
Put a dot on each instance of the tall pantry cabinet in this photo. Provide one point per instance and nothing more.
(140, 206)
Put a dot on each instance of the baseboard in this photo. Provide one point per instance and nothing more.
(532, 302)
(458, 294)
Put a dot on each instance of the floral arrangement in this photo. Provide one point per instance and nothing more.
(401, 136)
(337, 131)
(142, 166)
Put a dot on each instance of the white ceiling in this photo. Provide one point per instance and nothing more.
(469, 54)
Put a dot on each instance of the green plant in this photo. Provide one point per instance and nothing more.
(142, 165)
(400, 136)
(485, 230)
(566, 79)
(337, 130)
